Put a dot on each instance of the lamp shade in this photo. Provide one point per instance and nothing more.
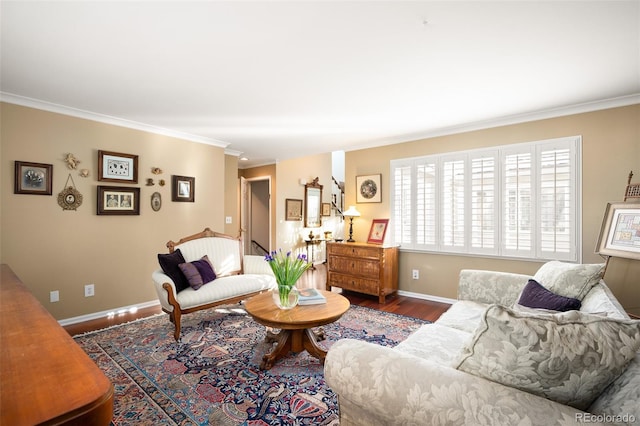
(351, 212)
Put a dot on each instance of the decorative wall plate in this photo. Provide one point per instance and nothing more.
(156, 201)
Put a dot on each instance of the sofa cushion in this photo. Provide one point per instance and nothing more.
(536, 296)
(169, 264)
(435, 343)
(569, 357)
(199, 272)
(569, 279)
(600, 300)
(622, 396)
(463, 315)
(225, 288)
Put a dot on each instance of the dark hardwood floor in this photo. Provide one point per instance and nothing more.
(402, 305)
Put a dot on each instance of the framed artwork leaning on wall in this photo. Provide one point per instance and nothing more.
(620, 231)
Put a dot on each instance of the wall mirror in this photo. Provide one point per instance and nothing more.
(312, 204)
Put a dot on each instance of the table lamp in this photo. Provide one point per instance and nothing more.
(351, 213)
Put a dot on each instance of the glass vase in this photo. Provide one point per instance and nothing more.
(285, 297)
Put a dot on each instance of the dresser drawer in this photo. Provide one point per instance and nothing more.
(349, 282)
(355, 266)
(354, 251)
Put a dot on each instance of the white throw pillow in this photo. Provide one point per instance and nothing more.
(569, 279)
(569, 357)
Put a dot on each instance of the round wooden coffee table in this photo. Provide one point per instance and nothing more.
(295, 324)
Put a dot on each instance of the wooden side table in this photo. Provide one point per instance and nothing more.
(296, 325)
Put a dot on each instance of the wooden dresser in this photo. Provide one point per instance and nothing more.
(365, 268)
(45, 377)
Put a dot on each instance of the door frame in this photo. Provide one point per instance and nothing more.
(245, 210)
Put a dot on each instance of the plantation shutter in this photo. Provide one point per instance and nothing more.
(426, 191)
(483, 217)
(517, 201)
(557, 174)
(453, 204)
(402, 204)
(517, 212)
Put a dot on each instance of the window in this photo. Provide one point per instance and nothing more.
(517, 201)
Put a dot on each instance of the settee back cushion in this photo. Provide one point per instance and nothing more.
(569, 357)
(223, 253)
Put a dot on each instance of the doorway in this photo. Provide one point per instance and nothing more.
(255, 210)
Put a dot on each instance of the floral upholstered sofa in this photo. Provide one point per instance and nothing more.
(496, 358)
(207, 269)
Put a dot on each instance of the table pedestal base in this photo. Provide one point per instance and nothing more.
(293, 341)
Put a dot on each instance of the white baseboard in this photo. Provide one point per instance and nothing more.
(427, 297)
(109, 313)
(133, 308)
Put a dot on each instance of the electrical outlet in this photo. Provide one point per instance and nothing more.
(228, 220)
(54, 296)
(415, 274)
(89, 290)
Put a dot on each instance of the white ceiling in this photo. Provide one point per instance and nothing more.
(278, 80)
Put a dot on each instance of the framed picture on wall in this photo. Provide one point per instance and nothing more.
(293, 209)
(326, 209)
(33, 178)
(368, 189)
(183, 188)
(118, 200)
(620, 231)
(117, 167)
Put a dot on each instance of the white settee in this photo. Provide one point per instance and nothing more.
(428, 380)
(237, 276)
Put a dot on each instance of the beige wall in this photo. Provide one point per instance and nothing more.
(231, 195)
(291, 234)
(610, 149)
(51, 249)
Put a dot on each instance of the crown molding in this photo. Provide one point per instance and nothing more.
(106, 119)
(232, 152)
(618, 102)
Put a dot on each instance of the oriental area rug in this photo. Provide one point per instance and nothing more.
(211, 376)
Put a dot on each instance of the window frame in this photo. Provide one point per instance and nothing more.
(564, 192)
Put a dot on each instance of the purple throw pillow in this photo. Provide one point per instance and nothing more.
(198, 273)
(534, 295)
(169, 264)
